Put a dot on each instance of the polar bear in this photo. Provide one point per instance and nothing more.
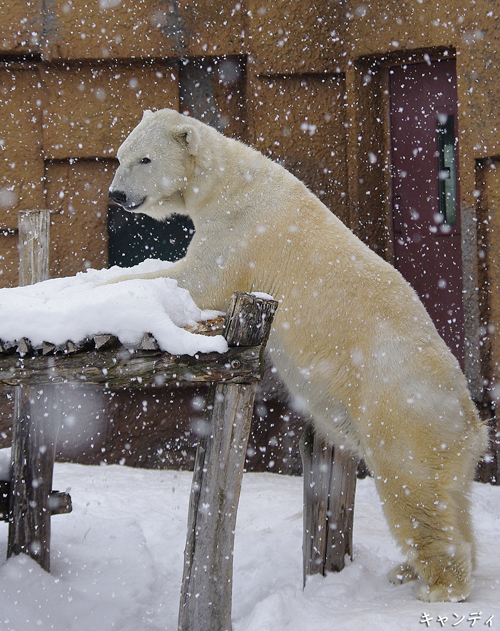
(351, 340)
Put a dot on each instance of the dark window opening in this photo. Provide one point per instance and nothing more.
(133, 237)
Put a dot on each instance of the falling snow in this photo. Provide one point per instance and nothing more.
(309, 91)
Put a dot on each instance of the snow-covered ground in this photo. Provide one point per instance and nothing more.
(117, 562)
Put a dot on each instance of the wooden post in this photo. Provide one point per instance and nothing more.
(329, 488)
(34, 244)
(36, 420)
(36, 423)
(206, 592)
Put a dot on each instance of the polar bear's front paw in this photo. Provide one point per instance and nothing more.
(402, 574)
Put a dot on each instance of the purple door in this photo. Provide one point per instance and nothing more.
(426, 218)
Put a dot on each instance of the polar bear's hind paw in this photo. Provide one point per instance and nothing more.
(403, 573)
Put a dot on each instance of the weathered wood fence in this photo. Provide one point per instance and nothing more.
(38, 375)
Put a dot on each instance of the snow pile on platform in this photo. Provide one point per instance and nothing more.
(80, 306)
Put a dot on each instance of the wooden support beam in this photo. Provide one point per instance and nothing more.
(329, 488)
(36, 420)
(206, 590)
(118, 367)
(34, 432)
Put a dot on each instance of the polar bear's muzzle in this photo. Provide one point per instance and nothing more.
(120, 198)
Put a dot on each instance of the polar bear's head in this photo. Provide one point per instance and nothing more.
(155, 162)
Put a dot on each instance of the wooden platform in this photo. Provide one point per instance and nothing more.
(39, 375)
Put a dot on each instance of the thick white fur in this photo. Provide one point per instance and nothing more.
(351, 339)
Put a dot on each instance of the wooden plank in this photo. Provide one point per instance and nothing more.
(60, 503)
(36, 419)
(329, 489)
(101, 342)
(123, 368)
(34, 243)
(206, 590)
(33, 451)
(148, 343)
(208, 572)
(248, 319)
(104, 342)
(340, 510)
(207, 327)
(316, 500)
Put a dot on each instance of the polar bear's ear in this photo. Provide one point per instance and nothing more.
(187, 136)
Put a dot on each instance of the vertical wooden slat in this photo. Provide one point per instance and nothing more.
(33, 451)
(206, 591)
(34, 244)
(36, 420)
(220, 458)
(329, 489)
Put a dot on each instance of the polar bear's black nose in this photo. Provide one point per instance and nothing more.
(119, 197)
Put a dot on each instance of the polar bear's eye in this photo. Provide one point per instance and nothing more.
(145, 160)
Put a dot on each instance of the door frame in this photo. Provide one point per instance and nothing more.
(425, 250)
(367, 81)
